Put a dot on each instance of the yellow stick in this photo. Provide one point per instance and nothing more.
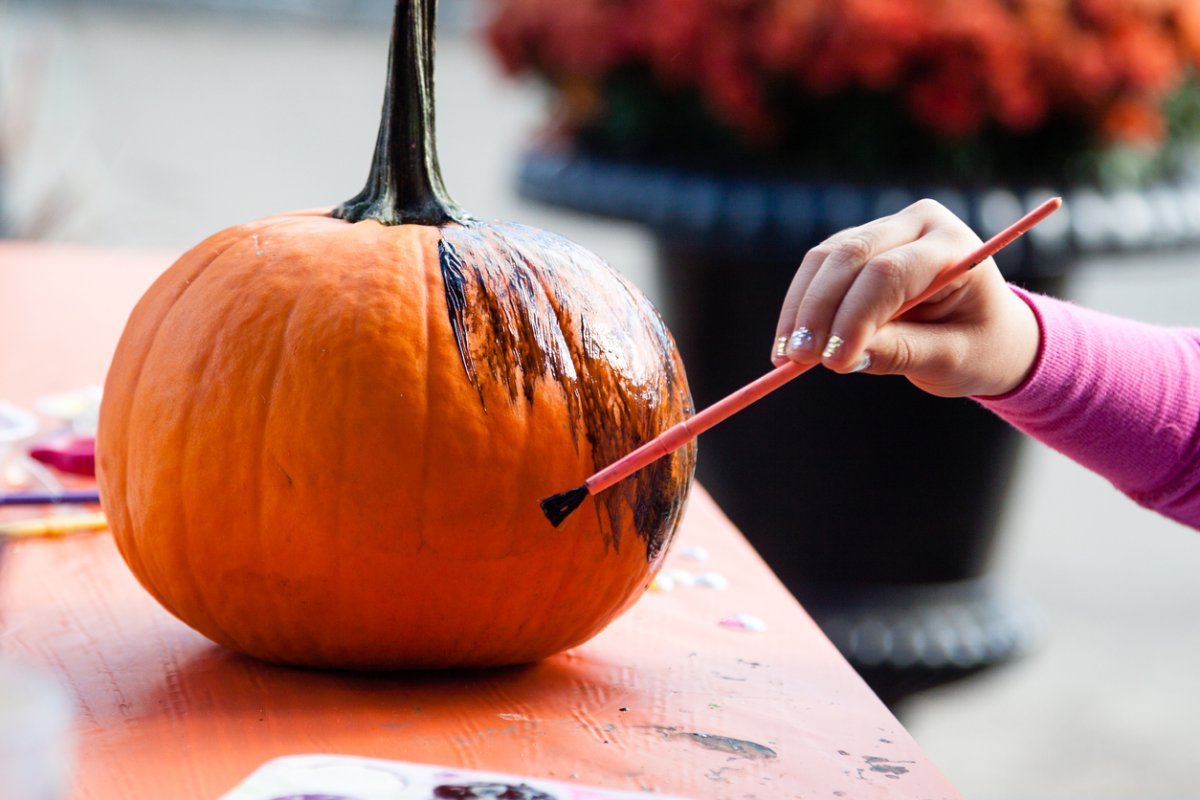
(54, 526)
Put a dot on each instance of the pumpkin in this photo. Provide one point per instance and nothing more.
(324, 434)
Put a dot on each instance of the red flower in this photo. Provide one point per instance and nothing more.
(957, 65)
(950, 101)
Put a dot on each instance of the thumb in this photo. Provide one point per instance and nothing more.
(930, 356)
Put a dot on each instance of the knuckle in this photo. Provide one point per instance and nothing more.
(888, 268)
(903, 356)
(952, 357)
(824, 250)
(927, 206)
(855, 249)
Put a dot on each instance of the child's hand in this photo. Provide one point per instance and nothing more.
(976, 337)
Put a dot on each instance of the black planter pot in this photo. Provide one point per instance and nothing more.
(876, 504)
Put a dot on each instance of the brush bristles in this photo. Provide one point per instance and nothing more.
(558, 507)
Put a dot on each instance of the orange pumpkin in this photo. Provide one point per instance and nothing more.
(324, 435)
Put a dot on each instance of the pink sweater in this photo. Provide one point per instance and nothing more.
(1120, 397)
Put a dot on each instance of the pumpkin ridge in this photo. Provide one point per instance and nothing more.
(250, 237)
(133, 551)
(265, 556)
(339, 535)
(423, 513)
(178, 505)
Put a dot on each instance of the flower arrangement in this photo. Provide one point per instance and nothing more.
(1072, 90)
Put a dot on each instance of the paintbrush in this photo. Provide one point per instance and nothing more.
(558, 507)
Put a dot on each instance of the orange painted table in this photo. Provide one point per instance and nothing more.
(666, 699)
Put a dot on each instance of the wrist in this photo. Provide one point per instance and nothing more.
(1018, 342)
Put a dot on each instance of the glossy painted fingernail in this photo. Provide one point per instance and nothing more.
(781, 347)
(834, 344)
(801, 339)
(863, 363)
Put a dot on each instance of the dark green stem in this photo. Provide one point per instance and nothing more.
(405, 183)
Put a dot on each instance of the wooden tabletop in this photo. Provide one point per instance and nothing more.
(673, 697)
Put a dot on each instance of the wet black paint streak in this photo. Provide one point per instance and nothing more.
(456, 304)
(489, 791)
(528, 307)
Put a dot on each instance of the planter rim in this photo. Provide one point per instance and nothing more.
(693, 207)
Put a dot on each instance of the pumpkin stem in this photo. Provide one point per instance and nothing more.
(405, 182)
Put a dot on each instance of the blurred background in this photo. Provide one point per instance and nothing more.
(152, 124)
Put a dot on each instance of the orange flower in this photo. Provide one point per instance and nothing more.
(1133, 122)
(1087, 68)
(1187, 19)
(1150, 58)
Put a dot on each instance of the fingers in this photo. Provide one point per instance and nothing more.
(825, 274)
(852, 284)
(879, 289)
(902, 348)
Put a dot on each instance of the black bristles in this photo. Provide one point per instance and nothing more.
(558, 507)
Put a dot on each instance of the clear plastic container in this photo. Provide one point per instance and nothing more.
(36, 747)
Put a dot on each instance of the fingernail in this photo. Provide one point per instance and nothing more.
(863, 363)
(834, 344)
(801, 339)
(781, 346)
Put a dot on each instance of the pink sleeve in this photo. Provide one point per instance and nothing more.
(1120, 397)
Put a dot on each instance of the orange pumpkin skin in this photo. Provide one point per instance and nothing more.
(323, 443)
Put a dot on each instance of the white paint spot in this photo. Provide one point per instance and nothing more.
(681, 577)
(744, 622)
(712, 580)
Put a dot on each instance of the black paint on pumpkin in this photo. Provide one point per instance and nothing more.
(527, 306)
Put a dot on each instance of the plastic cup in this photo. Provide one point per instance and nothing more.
(35, 734)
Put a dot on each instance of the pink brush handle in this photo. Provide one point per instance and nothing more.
(681, 433)
(982, 253)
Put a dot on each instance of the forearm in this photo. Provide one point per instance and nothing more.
(1120, 397)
